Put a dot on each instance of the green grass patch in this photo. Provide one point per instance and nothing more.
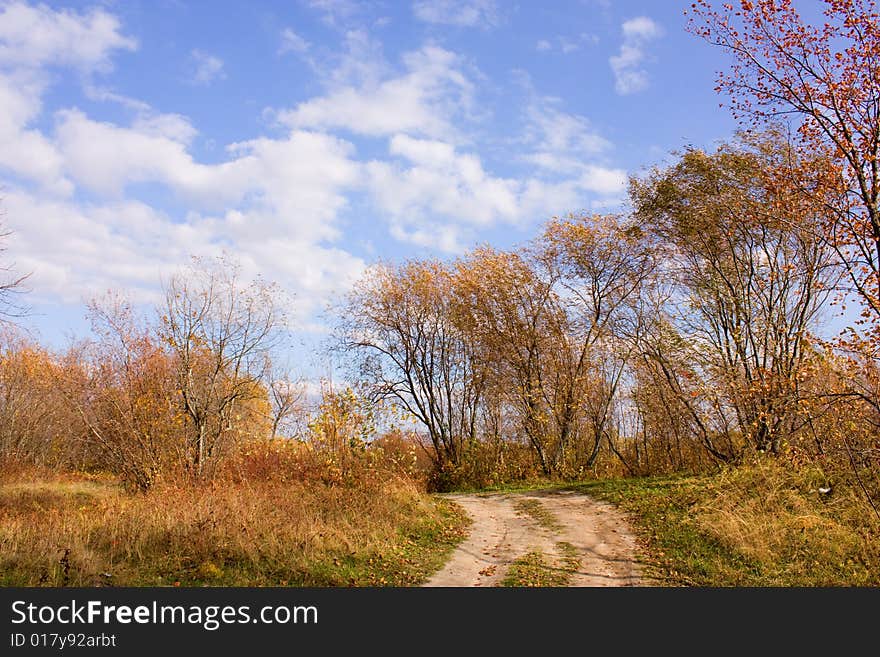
(537, 511)
(535, 570)
(419, 550)
(532, 570)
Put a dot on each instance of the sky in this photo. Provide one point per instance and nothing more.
(310, 138)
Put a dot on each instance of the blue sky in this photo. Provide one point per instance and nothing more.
(312, 137)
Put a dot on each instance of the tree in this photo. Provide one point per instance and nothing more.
(122, 387)
(602, 263)
(749, 275)
(286, 401)
(511, 315)
(399, 325)
(221, 332)
(32, 413)
(824, 78)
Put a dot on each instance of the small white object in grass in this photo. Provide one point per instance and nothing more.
(824, 489)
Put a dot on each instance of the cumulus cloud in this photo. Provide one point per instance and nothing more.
(424, 99)
(33, 38)
(40, 36)
(76, 250)
(462, 13)
(629, 75)
(293, 187)
(26, 152)
(206, 67)
(436, 196)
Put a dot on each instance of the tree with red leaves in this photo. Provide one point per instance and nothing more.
(824, 80)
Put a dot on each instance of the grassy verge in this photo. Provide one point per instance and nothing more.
(79, 532)
(757, 525)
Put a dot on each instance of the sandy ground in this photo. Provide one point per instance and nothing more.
(500, 534)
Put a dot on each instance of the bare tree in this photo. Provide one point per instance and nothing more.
(10, 285)
(221, 331)
(287, 397)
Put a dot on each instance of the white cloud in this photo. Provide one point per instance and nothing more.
(76, 251)
(567, 44)
(462, 13)
(292, 42)
(82, 220)
(284, 186)
(438, 197)
(641, 27)
(23, 151)
(629, 76)
(105, 158)
(104, 95)
(206, 67)
(40, 36)
(561, 141)
(31, 39)
(423, 100)
(292, 188)
(175, 127)
(602, 180)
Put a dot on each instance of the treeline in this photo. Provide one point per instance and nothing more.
(684, 334)
(179, 396)
(677, 336)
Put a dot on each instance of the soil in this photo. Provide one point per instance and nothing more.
(502, 531)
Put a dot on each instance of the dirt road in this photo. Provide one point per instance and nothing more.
(556, 524)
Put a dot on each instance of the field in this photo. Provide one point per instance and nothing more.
(80, 530)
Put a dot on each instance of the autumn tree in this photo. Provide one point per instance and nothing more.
(221, 331)
(509, 311)
(122, 386)
(33, 417)
(399, 326)
(749, 276)
(824, 79)
(602, 264)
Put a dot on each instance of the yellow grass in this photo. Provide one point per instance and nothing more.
(78, 532)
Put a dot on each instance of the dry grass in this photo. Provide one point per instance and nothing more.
(762, 524)
(777, 517)
(68, 530)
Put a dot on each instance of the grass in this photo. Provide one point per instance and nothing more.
(756, 525)
(80, 532)
(538, 512)
(534, 570)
